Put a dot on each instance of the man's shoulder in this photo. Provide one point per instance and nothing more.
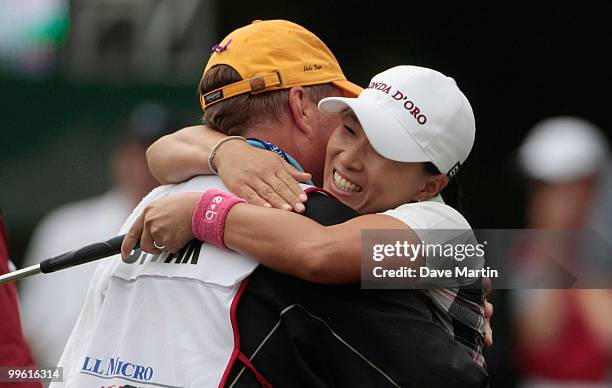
(197, 183)
(326, 209)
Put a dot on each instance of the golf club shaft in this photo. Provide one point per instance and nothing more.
(20, 274)
(79, 256)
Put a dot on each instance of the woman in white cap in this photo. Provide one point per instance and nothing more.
(399, 144)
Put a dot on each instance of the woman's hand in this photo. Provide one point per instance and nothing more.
(165, 222)
(260, 177)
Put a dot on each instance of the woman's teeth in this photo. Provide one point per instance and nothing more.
(344, 184)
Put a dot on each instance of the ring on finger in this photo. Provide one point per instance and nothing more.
(158, 246)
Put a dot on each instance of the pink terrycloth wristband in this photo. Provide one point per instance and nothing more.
(208, 222)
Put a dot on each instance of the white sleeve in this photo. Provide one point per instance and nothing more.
(438, 225)
(429, 215)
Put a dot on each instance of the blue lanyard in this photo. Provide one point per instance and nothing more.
(277, 150)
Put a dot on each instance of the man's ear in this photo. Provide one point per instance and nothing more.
(433, 186)
(302, 110)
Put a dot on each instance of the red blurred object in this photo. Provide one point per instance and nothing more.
(576, 355)
(14, 350)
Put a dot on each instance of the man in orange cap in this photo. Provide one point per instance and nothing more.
(269, 72)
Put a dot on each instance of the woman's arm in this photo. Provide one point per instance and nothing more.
(183, 154)
(259, 176)
(295, 245)
(284, 241)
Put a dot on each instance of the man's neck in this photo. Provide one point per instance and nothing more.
(285, 134)
(274, 133)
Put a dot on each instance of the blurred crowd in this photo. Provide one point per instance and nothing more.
(563, 337)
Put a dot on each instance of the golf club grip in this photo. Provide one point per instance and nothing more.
(83, 255)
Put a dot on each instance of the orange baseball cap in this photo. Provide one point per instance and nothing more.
(272, 55)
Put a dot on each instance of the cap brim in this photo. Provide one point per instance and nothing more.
(385, 134)
(350, 89)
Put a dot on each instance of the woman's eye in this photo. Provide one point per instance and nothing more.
(349, 130)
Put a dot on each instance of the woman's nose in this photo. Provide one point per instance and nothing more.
(352, 158)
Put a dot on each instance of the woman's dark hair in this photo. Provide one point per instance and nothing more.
(451, 194)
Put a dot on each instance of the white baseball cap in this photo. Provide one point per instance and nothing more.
(562, 149)
(414, 114)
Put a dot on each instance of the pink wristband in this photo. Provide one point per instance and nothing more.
(208, 222)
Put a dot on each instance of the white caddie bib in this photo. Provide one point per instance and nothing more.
(158, 321)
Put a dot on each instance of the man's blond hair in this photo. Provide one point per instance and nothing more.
(235, 115)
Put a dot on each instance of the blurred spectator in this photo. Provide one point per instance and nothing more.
(51, 303)
(564, 336)
(13, 348)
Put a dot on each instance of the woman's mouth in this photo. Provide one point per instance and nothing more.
(344, 184)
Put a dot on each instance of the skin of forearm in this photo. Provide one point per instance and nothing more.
(293, 244)
(541, 320)
(285, 242)
(595, 307)
(179, 156)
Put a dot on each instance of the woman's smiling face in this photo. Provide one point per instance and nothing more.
(364, 180)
